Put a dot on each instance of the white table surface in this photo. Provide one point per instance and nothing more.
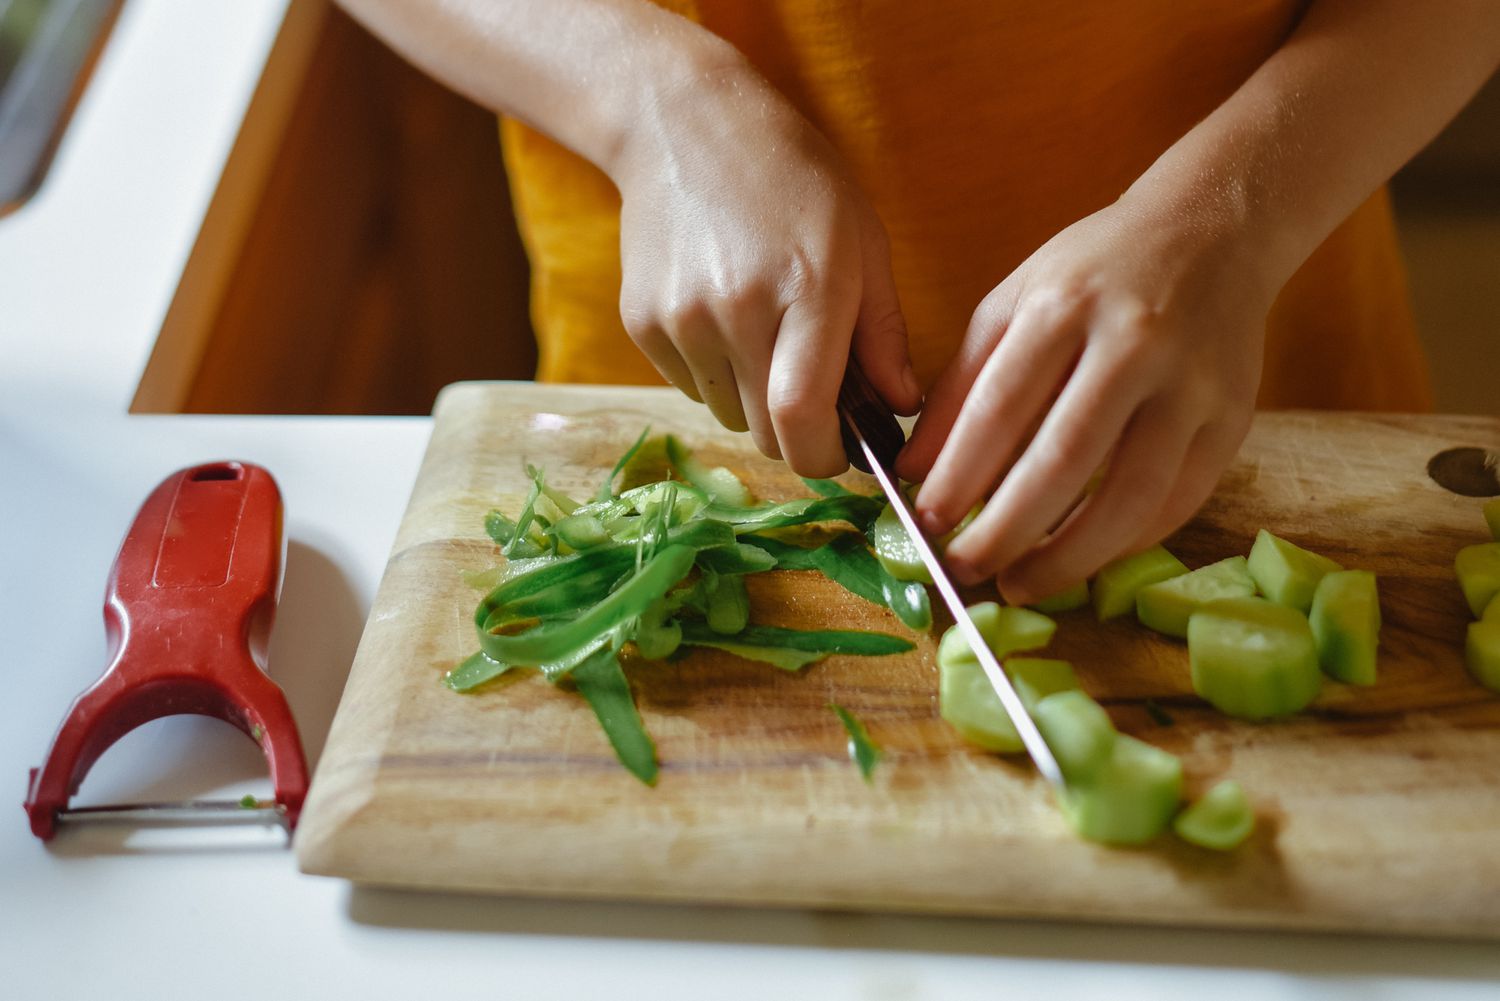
(86, 273)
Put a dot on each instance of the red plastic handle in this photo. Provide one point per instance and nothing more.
(188, 618)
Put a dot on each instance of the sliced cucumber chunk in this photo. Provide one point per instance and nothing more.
(1492, 516)
(966, 699)
(1116, 585)
(1036, 678)
(1253, 659)
(1478, 569)
(1220, 820)
(1131, 799)
(1166, 605)
(1345, 621)
(1492, 610)
(1064, 601)
(894, 548)
(1078, 731)
(1482, 652)
(1285, 573)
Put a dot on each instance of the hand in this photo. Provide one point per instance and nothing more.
(1132, 338)
(750, 259)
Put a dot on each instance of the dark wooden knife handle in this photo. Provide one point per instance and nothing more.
(860, 404)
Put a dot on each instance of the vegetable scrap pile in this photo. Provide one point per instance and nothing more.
(661, 567)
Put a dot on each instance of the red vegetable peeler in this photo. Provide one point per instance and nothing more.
(188, 619)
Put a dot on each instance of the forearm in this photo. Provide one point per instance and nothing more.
(1358, 88)
(586, 72)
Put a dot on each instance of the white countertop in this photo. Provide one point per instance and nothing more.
(86, 274)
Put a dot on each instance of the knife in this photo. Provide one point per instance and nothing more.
(872, 438)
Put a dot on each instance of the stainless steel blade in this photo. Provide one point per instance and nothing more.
(1031, 737)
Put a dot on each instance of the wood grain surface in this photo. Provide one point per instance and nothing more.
(1379, 808)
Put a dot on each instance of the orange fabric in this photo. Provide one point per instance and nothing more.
(979, 129)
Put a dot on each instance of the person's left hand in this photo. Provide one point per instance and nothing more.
(1131, 338)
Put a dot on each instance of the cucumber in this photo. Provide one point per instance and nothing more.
(1036, 678)
(1492, 516)
(1253, 659)
(1131, 799)
(1166, 605)
(1285, 573)
(1482, 652)
(966, 699)
(894, 548)
(1221, 819)
(721, 485)
(1078, 731)
(1492, 610)
(1064, 601)
(1345, 621)
(728, 604)
(1478, 570)
(1116, 584)
(581, 531)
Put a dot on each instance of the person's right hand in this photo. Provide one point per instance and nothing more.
(750, 261)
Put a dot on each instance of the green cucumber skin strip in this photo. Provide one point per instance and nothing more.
(827, 641)
(473, 671)
(847, 562)
(603, 685)
(607, 489)
(555, 641)
(862, 748)
(786, 555)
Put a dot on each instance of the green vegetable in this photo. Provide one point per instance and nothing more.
(1285, 573)
(1078, 731)
(1130, 799)
(1478, 570)
(790, 649)
(1116, 585)
(1345, 620)
(1158, 715)
(601, 682)
(1064, 601)
(1253, 659)
(249, 802)
(1035, 678)
(827, 488)
(863, 751)
(967, 700)
(581, 531)
(728, 604)
(1492, 610)
(1482, 652)
(474, 671)
(1492, 516)
(895, 549)
(1220, 820)
(847, 561)
(607, 488)
(719, 483)
(1166, 605)
(737, 558)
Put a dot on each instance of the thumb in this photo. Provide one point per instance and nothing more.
(880, 341)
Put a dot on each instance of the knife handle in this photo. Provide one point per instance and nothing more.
(861, 405)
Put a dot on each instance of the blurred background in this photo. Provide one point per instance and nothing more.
(361, 252)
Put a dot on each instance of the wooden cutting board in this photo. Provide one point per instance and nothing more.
(1379, 808)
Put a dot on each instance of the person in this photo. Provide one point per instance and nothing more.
(1110, 226)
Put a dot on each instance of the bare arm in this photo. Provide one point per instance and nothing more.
(1150, 314)
(750, 257)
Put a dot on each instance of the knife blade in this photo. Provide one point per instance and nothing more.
(872, 437)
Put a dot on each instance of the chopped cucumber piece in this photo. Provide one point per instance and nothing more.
(1253, 659)
(1064, 601)
(1492, 516)
(1492, 610)
(1036, 678)
(1116, 585)
(1005, 629)
(966, 699)
(1078, 731)
(728, 604)
(717, 482)
(1478, 569)
(1220, 820)
(1482, 652)
(1131, 799)
(1166, 605)
(1287, 574)
(894, 548)
(1345, 620)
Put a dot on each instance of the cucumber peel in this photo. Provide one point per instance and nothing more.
(1286, 573)
(1478, 570)
(1116, 584)
(1253, 659)
(1220, 820)
(1166, 605)
(1345, 621)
